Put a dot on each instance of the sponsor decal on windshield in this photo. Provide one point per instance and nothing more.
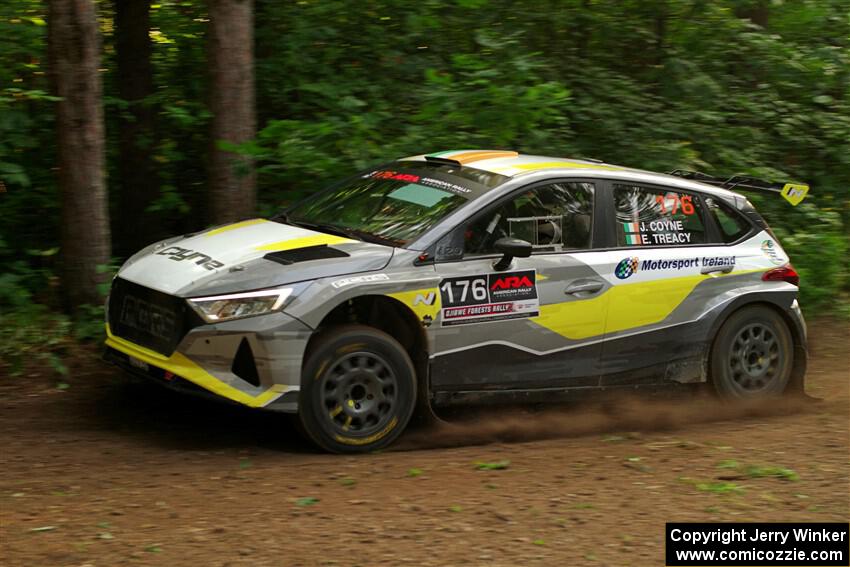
(412, 178)
(489, 297)
(445, 185)
(394, 175)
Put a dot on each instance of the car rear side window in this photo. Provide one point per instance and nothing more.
(732, 225)
(649, 216)
(551, 217)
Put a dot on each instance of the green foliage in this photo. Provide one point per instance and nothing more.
(818, 243)
(33, 329)
(343, 85)
(29, 331)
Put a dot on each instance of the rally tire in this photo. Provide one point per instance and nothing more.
(752, 355)
(358, 390)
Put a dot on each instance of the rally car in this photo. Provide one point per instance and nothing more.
(468, 276)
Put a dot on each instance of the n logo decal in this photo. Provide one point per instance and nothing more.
(425, 299)
(794, 193)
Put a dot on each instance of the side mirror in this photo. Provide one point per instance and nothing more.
(511, 248)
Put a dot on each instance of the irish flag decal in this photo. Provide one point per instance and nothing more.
(631, 227)
(634, 239)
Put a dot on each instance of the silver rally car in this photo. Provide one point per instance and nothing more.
(468, 276)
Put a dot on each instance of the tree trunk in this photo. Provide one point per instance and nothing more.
(137, 178)
(758, 13)
(74, 53)
(231, 59)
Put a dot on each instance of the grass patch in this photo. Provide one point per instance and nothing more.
(496, 466)
(758, 471)
(720, 487)
(781, 473)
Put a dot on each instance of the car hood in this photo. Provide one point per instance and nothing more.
(249, 255)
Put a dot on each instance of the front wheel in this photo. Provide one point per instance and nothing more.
(752, 355)
(358, 390)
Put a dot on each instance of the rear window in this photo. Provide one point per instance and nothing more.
(732, 225)
(649, 216)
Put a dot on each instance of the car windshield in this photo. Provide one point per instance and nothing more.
(392, 205)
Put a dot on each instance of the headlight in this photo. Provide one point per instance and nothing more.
(236, 305)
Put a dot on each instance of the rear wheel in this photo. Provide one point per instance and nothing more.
(752, 355)
(358, 390)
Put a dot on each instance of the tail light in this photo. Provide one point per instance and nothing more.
(785, 273)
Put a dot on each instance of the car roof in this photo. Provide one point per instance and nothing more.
(514, 164)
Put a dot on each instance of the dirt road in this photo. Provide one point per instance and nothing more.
(106, 473)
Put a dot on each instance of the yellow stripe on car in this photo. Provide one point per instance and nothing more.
(558, 164)
(234, 226)
(479, 155)
(303, 242)
(632, 305)
(184, 367)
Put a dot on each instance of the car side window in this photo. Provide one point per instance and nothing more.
(732, 225)
(552, 218)
(649, 216)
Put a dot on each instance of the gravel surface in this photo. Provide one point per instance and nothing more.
(101, 472)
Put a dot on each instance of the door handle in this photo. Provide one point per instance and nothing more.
(717, 269)
(585, 286)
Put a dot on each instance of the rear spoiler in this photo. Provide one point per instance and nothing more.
(794, 193)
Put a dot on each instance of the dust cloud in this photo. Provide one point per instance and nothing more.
(481, 426)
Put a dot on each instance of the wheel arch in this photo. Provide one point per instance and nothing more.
(393, 317)
(777, 302)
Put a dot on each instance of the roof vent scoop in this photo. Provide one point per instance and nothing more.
(321, 252)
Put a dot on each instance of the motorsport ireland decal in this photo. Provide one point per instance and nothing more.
(628, 266)
(489, 297)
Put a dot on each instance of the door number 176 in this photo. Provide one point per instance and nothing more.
(477, 287)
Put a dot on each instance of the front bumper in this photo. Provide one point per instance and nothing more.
(206, 361)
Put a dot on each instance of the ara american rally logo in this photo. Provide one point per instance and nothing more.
(513, 286)
(512, 282)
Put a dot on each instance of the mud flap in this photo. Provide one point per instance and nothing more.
(423, 414)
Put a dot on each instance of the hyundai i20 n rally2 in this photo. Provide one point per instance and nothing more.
(473, 275)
